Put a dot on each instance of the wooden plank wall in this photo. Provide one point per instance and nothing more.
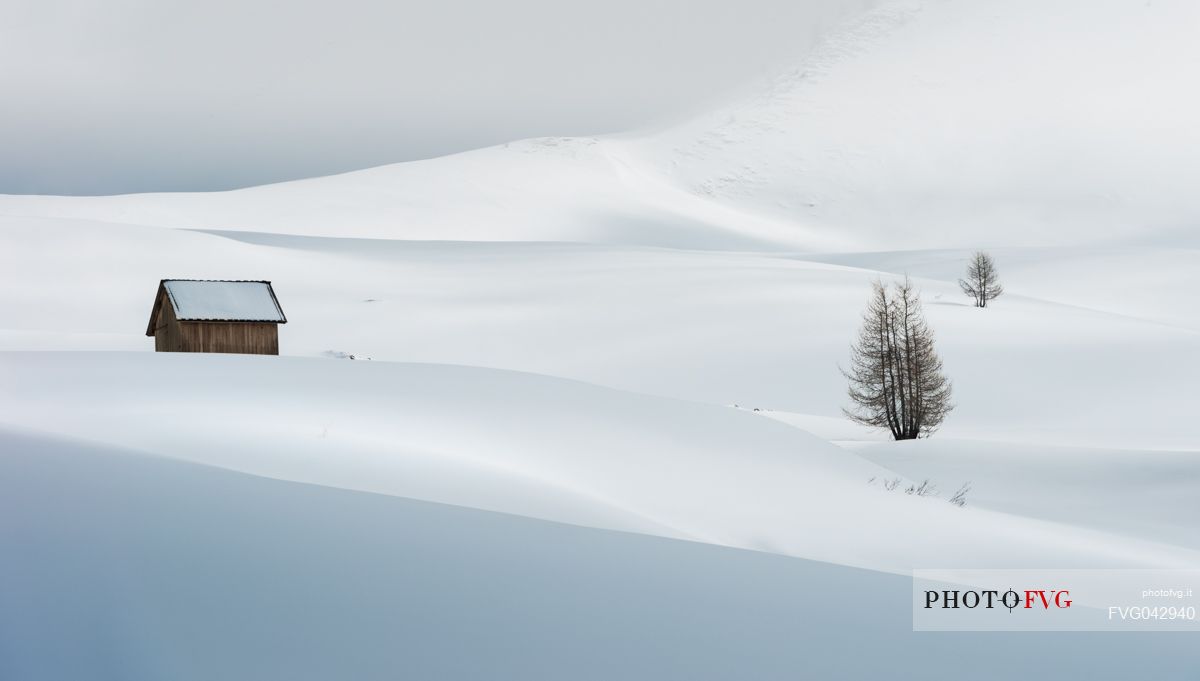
(251, 338)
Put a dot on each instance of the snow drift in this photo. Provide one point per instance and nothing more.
(535, 446)
(120, 565)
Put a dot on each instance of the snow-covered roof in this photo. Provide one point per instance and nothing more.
(210, 300)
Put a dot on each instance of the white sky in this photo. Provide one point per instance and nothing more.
(108, 96)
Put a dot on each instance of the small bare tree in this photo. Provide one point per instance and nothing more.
(982, 282)
(895, 373)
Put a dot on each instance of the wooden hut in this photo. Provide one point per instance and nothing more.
(192, 315)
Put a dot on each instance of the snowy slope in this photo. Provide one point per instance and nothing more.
(541, 447)
(968, 123)
(923, 123)
(552, 189)
(725, 328)
(1148, 494)
(760, 330)
(134, 567)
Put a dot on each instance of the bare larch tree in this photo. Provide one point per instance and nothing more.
(895, 373)
(982, 282)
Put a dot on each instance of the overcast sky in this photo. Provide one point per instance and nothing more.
(110, 96)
